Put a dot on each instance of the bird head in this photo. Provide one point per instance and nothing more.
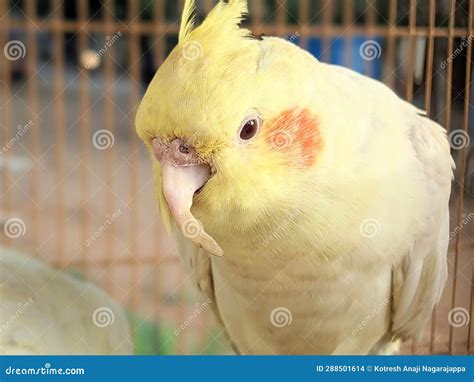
(232, 126)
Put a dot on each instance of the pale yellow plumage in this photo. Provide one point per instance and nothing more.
(373, 203)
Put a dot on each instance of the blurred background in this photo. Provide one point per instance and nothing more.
(76, 189)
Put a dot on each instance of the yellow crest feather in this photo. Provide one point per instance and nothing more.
(187, 20)
(223, 19)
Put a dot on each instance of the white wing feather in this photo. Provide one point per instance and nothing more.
(419, 281)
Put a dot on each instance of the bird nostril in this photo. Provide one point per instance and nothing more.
(183, 148)
(180, 153)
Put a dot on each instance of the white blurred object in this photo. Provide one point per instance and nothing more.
(419, 50)
(419, 66)
(47, 311)
(90, 59)
(15, 164)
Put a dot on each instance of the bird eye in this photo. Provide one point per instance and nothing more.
(249, 129)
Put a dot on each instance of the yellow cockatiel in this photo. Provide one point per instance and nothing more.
(322, 195)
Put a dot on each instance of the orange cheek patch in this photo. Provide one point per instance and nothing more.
(295, 133)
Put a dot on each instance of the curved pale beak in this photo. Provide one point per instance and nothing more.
(181, 178)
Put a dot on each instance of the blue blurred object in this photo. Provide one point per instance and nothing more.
(357, 62)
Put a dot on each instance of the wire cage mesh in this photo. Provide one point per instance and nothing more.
(78, 182)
